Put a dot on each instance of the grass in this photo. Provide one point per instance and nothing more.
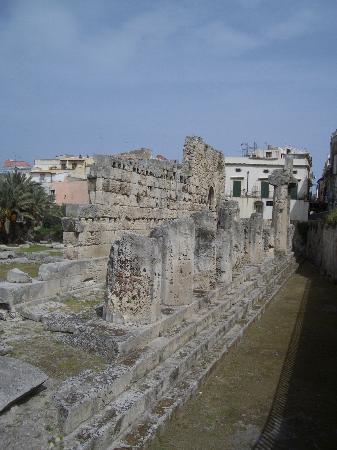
(34, 248)
(58, 360)
(77, 305)
(31, 268)
(41, 248)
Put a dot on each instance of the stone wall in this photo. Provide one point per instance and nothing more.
(318, 242)
(180, 258)
(132, 194)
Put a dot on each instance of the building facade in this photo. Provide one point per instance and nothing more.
(247, 181)
(64, 177)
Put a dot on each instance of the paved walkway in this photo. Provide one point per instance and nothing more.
(277, 389)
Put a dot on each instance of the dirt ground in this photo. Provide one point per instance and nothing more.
(277, 388)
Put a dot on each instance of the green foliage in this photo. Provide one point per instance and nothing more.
(51, 227)
(24, 205)
(331, 217)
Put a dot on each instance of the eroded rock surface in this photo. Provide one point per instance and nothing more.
(17, 379)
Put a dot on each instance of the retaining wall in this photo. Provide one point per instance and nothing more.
(318, 242)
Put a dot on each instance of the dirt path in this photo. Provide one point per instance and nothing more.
(277, 389)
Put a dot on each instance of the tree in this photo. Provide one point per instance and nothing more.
(23, 204)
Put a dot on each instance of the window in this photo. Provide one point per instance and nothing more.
(63, 166)
(294, 171)
(269, 203)
(236, 188)
(52, 191)
(269, 154)
(258, 207)
(264, 189)
(237, 170)
(266, 171)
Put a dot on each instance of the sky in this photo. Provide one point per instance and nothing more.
(104, 76)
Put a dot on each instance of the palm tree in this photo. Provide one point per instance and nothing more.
(22, 205)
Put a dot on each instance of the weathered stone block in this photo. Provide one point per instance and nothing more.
(255, 245)
(17, 378)
(177, 240)
(133, 280)
(18, 276)
(224, 262)
(204, 250)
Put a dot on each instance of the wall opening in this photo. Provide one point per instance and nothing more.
(210, 201)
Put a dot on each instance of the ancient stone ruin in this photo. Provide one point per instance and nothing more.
(132, 194)
(185, 276)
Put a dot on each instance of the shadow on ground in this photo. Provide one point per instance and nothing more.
(304, 410)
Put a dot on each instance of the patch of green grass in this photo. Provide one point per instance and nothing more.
(58, 360)
(31, 268)
(41, 248)
(77, 305)
(55, 253)
(35, 248)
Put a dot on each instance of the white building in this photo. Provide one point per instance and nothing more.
(247, 181)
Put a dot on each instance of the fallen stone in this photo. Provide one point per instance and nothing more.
(18, 276)
(7, 255)
(3, 315)
(58, 246)
(17, 379)
(4, 349)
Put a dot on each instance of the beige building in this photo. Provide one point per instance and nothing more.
(65, 177)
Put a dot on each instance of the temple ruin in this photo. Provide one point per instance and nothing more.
(185, 276)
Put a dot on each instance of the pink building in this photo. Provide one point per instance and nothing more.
(70, 190)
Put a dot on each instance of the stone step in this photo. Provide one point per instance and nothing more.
(143, 431)
(81, 399)
(204, 340)
(99, 431)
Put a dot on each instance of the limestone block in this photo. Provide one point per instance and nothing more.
(228, 213)
(205, 249)
(177, 241)
(7, 254)
(224, 263)
(18, 276)
(133, 280)
(73, 225)
(60, 270)
(17, 379)
(255, 245)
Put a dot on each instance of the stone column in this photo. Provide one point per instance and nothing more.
(204, 250)
(134, 281)
(281, 179)
(227, 232)
(255, 247)
(176, 240)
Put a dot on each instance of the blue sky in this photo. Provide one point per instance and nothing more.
(80, 76)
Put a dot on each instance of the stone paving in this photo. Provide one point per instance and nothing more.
(276, 390)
